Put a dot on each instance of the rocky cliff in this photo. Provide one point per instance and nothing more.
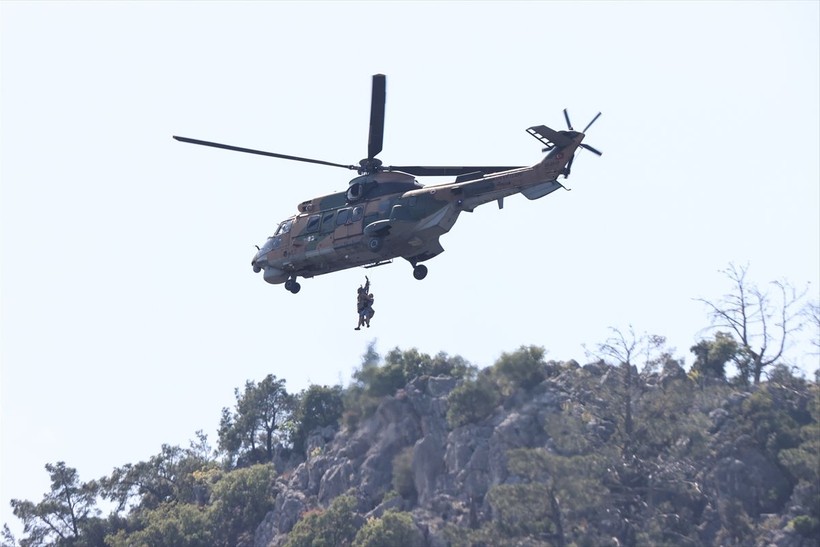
(664, 457)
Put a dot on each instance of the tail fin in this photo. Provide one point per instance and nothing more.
(550, 138)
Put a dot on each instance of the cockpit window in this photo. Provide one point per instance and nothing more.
(357, 213)
(284, 227)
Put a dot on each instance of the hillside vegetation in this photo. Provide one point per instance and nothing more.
(628, 449)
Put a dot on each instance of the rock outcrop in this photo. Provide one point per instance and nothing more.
(453, 469)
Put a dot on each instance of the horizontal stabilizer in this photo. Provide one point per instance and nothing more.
(549, 137)
(541, 190)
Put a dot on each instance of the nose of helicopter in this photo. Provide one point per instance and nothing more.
(257, 261)
(272, 275)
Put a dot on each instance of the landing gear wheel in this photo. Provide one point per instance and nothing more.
(375, 244)
(420, 271)
(292, 285)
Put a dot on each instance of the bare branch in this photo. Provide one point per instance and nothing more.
(760, 320)
(811, 313)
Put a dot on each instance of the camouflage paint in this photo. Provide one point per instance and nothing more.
(398, 217)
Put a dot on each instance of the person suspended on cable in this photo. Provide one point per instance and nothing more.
(364, 304)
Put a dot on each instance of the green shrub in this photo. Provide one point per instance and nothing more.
(332, 527)
(392, 529)
(806, 526)
(403, 481)
(523, 368)
(472, 401)
(318, 406)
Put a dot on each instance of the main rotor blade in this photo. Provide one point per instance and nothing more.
(592, 122)
(377, 100)
(444, 171)
(261, 153)
(591, 149)
(566, 116)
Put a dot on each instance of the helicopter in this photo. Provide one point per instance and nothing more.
(385, 213)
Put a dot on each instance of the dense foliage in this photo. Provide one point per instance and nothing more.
(683, 479)
(316, 407)
(629, 449)
(393, 528)
(570, 492)
(377, 378)
(337, 525)
(248, 434)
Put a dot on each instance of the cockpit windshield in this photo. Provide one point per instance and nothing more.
(284, 227)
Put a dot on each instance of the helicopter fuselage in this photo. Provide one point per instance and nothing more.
(385, 213)
(388, 214)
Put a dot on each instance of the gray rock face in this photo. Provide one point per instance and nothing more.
(363, 459)
(453, 470)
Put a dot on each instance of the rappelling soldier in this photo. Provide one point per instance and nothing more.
(364, 304)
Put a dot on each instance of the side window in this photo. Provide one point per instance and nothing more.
(313, 224)
(343, 217)
(357, 213)
(327, 222)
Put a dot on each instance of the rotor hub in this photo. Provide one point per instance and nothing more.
(369, 165)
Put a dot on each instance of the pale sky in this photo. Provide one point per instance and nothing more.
(129, 308)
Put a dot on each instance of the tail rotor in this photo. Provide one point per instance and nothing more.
(582, 145)
(598, 115)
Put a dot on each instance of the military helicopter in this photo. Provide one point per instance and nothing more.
(385, 213)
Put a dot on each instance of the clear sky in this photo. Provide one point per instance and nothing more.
(129, 308)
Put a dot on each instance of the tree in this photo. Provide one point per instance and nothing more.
(711, 356)
(393, 528)
(374, 380)
(812, 314)
(173, 475)
(627, 349)
(523, 368)
(248, 434)
(240, 501)
(763, 321)
(557, 493)
(403, 478)
(736, 526)
(64, 512)
(472, 401)
(358, 403)
(7, 538)
(414, 363)
(203, 507)
(524, 511)
(318, 406)
(402, 366)
(801, 462)
(455, 366)
(170, 524)
(334, 527)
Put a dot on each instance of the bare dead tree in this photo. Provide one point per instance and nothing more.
(812, 313)
(627, 349)
(763, 320)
